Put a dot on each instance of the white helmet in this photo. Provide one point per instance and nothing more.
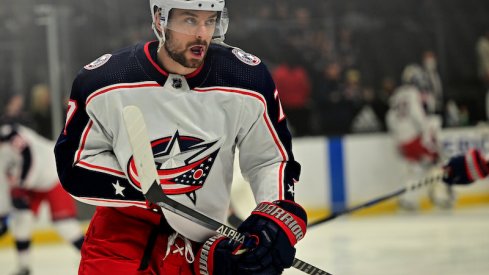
(413, 74)
(205, 5)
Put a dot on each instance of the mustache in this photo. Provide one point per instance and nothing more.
(198, 42)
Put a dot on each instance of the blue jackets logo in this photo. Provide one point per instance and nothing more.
(183, 164)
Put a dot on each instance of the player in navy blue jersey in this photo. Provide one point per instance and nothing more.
(201, 100)
(466, 169)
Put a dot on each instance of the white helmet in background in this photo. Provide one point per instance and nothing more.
(413, 74)
(165, 6)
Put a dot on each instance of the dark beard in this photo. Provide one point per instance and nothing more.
(179, 57)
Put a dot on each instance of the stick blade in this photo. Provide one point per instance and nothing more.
(141, 148)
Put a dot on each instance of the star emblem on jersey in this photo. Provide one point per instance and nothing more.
(118, 188)
(183, 164)
(291, 189)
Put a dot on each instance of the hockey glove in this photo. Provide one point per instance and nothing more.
(20, 198)
(276, 227)
(3, 225)
(218, 256)
(465, 169)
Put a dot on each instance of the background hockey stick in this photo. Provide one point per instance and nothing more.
(417, 185)
(148, 176)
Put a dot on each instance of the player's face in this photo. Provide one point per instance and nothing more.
(188, 36)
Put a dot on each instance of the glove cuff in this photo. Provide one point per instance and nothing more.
(205, 256)
(475, 165)
(288, 215)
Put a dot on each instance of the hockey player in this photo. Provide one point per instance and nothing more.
(415, 133)
(28, 178)
(466, 169)
(201, 99)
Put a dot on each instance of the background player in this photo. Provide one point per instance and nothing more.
(28, 178)
(466, 169)
(201, 100)
(415, 131)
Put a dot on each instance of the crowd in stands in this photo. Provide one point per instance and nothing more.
(318, 63)
(335, 64)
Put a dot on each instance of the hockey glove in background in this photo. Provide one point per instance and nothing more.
(276, 227)
(465, 169)
(3, 225)
(20, 198)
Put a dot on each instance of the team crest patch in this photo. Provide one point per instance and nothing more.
(98, 62)
(246, 57)
(183, 164)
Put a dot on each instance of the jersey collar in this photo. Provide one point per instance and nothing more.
(146, 54)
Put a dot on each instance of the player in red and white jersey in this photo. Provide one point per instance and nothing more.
(415, 131)
(200, 101)
(28, 178)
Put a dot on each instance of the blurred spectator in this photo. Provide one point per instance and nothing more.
(456, 114)
(346, 49)
(366, 120)
(14, 111)
(482, 50)
(387, 87)
(464, 115)
(326, 96)
(452, 114)
(41, 110)
(294, 86)
(430, 66)
(352, 90)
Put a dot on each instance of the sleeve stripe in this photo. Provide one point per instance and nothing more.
(82, 143)
(111, 203)
(98, 168)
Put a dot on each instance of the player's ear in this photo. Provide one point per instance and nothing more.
(157, 21)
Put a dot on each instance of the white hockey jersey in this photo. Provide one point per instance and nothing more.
(407, 119)
(195, 122)
(26, 161)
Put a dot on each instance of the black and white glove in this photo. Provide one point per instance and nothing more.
(271, 232)
(3, 225)
(465, 169)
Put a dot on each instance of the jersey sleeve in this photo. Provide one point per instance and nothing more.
(86, 163)
(265, 148)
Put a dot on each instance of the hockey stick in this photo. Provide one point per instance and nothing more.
(148, 176)
(417, 185)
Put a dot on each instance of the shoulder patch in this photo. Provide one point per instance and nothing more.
(98, 62)
(246, 58)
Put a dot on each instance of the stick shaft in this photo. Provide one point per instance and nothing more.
(417, 185)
